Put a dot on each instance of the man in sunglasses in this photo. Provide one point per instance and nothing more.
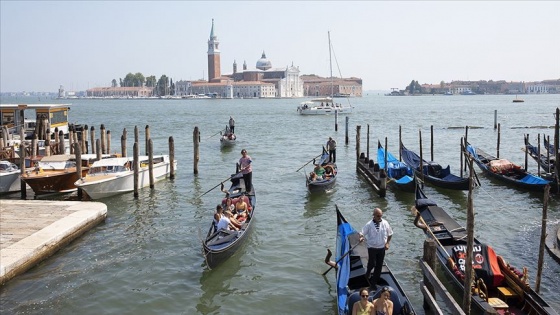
(377, 233)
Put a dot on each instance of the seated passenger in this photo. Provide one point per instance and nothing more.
(383, 304)
(218, 214)
(226, 223)
(241, 209)
(363, 306)
(319, 171)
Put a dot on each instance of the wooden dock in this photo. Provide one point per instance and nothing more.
(32, 230)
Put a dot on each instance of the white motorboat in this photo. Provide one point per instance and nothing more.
(9, 177)
(325, 105)
(112, 176)
(322, 106)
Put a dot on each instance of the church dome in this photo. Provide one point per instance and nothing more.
(263, 63)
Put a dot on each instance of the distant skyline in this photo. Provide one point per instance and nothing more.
(86, 44)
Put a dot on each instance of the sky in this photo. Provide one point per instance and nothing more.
(86, 44)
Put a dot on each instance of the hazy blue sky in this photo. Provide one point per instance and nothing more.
(79, 44)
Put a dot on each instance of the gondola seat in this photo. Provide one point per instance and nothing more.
(397, 303)
(353, 298)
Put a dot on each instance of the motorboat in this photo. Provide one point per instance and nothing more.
(322, 106)
(112, 176)
(9, 175)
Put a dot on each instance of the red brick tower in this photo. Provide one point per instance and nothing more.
(213, 56)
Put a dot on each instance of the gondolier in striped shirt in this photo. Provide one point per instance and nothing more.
(377, 233)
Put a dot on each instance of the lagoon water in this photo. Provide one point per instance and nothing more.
(147, 257)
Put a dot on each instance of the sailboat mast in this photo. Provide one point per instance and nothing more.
(330, 64)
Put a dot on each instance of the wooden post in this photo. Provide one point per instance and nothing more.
(147, 130)
(85, 140)
(549, 170)
(78, 153)
(466, 141)
(495, 119)
(400, 142)
(346, 139)
(367, 143)
(556, 140)
(48, 144)
(543, 239)
(103, 136)
(463, 152)
(151, 163)
(196, 140)
(22, 161)
(136, 166)
(171, 158)
(431, 142)
(108, 142)
(538, 153)
(421, 158)
(469, 276)
(92, 139)
(123, 143)
(358, 128)
(98, 149)
(498, 144)
(336, 120)
(429, 257)
(61, 148)
(34, 145)
(526, 142)
(71, 139)
(136, 135)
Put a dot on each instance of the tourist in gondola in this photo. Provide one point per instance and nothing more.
(363, 306)
(218, 214)
(247, 170)
(383, 305)
(377, 233)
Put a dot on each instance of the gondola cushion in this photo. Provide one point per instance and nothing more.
(485, 263)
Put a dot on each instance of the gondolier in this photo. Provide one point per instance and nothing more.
(331, 147)
(378, 234)
(247, 170)
(231, 124)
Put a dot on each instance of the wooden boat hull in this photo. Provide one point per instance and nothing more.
(450, 235)
(218, 246)
(53, 181)
(103, 186)
(371, 172)
(432, 173)
(515, 176)
(351, 273)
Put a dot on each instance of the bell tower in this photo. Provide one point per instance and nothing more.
(213, 55)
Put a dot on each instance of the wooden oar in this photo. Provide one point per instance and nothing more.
(213, 135)
(427, 228)
(225, 180)
(342, 257)
(309, 162)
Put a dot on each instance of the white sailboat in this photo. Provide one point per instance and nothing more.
(324, 105)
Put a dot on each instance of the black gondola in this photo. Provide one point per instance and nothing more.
(506, 171)
(220, 245)
(546, 162)
(351, 262)
(434, 174)
(325, 182)
(498, 286)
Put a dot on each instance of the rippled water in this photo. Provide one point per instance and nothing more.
(147, 256)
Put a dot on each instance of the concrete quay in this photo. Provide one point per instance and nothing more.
(552, 241)
(32, 230)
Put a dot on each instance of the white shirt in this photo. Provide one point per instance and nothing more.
(377, 237)
(223, 224)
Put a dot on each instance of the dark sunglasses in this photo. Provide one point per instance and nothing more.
(365, 295)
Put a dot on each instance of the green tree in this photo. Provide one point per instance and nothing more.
(163, 85)
(139, 79)
(151, 81)
(114, 83)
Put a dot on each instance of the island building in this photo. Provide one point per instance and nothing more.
(262, 82)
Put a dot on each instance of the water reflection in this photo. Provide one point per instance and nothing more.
(216, 284)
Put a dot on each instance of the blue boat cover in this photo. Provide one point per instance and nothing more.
(343, 276)
(395, 168)
(534, 180)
